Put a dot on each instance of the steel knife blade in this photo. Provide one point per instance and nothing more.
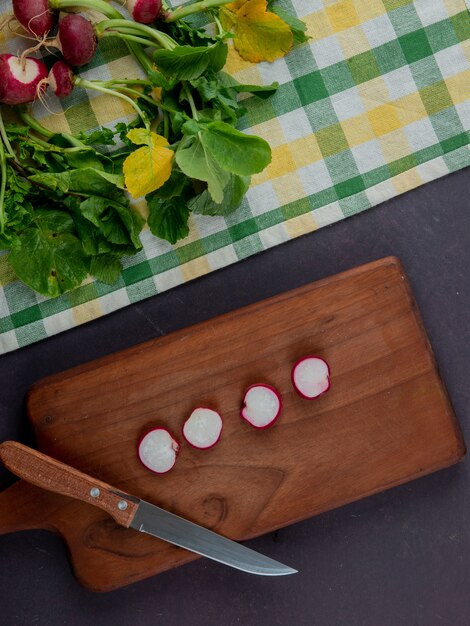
(132, 512)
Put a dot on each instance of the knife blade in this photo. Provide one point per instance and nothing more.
(132, 512)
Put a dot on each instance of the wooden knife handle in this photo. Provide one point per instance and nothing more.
(43, 471)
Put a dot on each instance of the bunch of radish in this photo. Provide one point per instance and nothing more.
(23, 79)
(261, 407)
(39, 17)
(75, 39)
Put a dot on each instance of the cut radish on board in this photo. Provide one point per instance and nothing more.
(157, 450)
(262, 405)
(311, 377)
(203, 428)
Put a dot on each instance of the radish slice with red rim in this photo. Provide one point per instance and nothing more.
(157, 450)
(311, 377)
(21, 81)
(262, 405)
(203, 428)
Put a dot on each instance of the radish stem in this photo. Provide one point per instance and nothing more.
(190, 98)
(108, 11)
(3, 185)
(126, 37)
(139, 55)
(52, 147)
(4, 137)
(121, 85)
(34, 124)
(133, 28)
(87, 84)
(139, 94)
(218, 23)
(45, 132)
(128, 81)
(197, 7)
(166, 125)
(97, 5)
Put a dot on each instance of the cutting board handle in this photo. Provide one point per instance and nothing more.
(48, 473)
(25, 507)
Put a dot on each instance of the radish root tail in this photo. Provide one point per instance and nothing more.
(41, 96)
(41, 93)
(31, 50)
(30, 28)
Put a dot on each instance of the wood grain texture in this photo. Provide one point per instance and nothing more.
(48, 473)
(385, 420)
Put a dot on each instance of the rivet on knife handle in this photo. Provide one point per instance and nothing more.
(47, 473)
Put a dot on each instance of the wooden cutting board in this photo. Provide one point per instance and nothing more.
(385, 421)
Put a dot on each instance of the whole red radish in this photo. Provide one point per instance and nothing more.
(61, 79)
(35, 16)
(262, 405)
(76, 39)
(19, 79)
(311, 377)
(157, 450)
(144, 11)
(203, 428)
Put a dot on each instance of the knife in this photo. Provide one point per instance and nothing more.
(48, 473)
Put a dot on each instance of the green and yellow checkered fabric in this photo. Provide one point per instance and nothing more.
(377, 103)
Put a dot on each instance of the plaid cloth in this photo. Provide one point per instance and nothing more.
(377, 103)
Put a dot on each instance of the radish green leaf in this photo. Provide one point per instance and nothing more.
(48, 256)
(196, 161)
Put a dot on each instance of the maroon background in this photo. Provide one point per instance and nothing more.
(399, 558)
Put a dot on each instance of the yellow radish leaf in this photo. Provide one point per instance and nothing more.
(259, 35)
(157, 93)
(141, 136)
(149, 167)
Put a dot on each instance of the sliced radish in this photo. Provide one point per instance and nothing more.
(157, 450)
(262, 405)
(311, 377)
(203, 428)
(20, 80)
